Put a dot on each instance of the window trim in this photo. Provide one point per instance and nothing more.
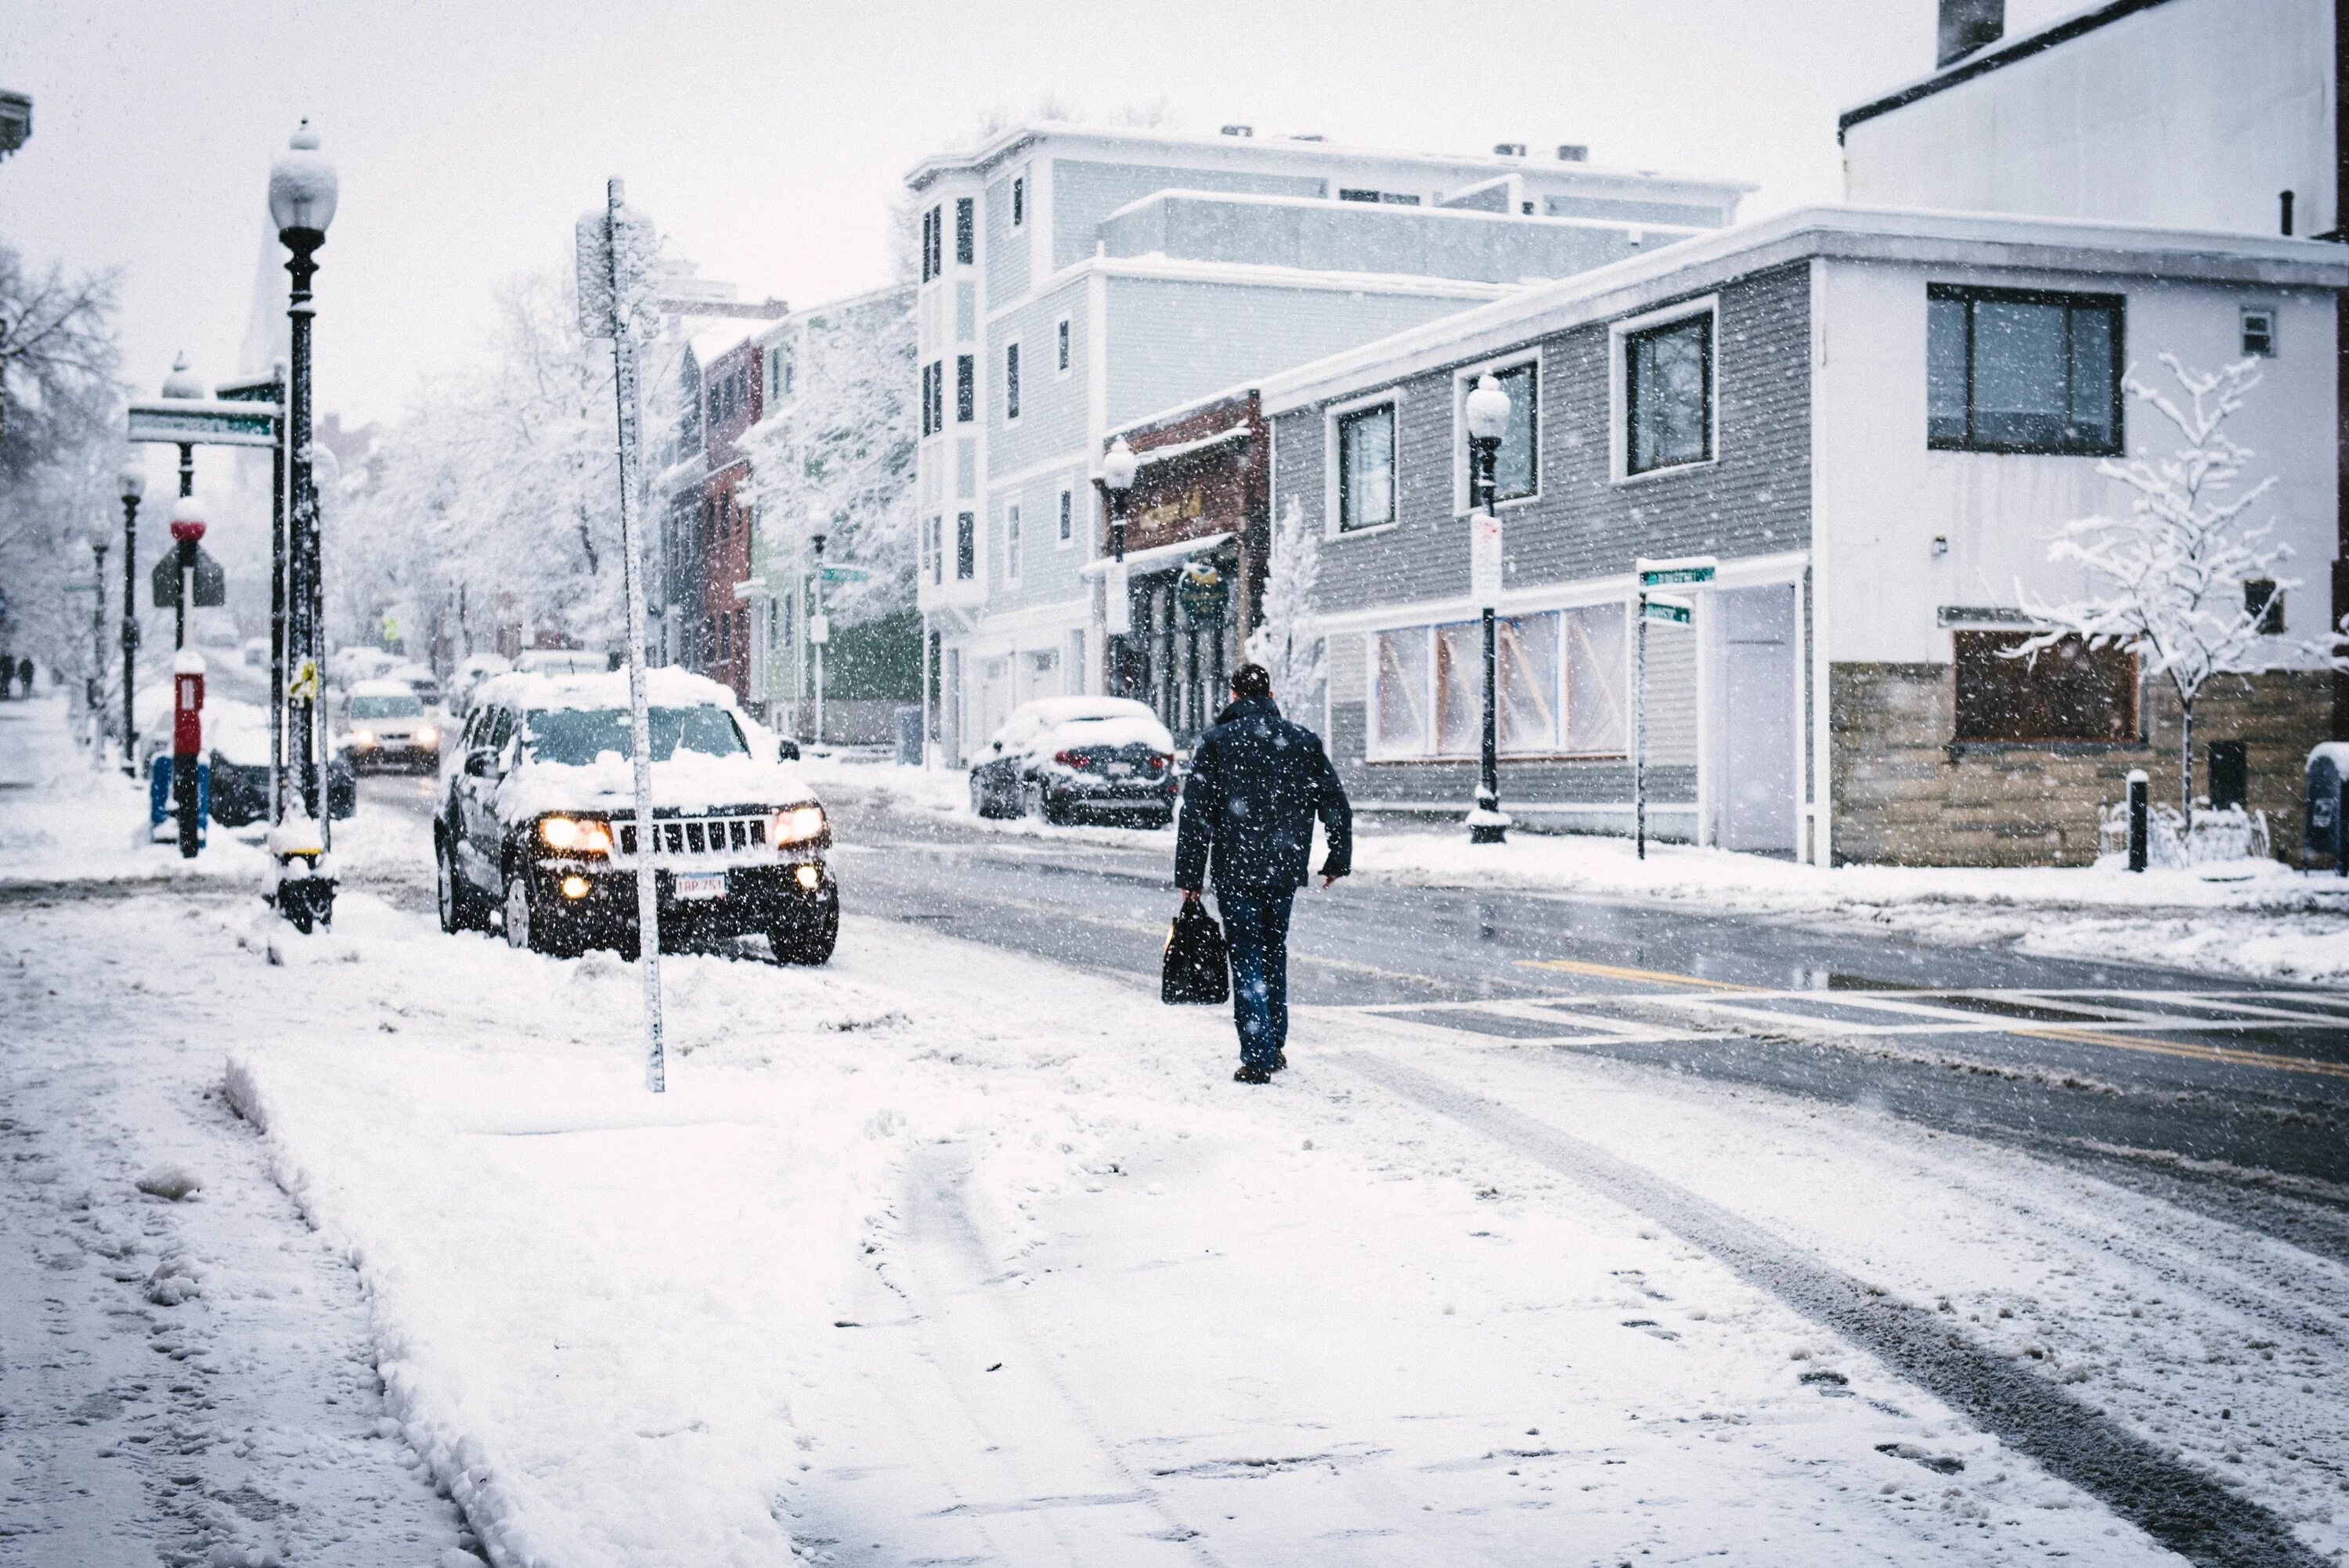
(1339, 421)
(1618, 387)
(1332, 413)
(1463, 381)
(2243, 316)
(1971, 294)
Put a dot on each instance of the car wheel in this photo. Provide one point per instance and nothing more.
(1033, 802)
(451, 919)
(1056, 812)
(982, 801)
(807, 944)
(524, 927)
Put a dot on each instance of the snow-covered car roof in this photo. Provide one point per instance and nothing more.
(1106, 729)
(666, 686)
(583, 661)
(384, 687)
(1103, 720)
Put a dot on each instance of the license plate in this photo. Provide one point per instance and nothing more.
(1119, 770)
(701, 884)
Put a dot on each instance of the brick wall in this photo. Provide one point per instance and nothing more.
(1905, 795)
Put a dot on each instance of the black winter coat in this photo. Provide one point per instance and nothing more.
(1256, 783)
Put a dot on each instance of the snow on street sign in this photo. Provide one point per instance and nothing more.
(204, 422)
(212, 583)
(1117, 607)
(1484, 558)
(819, 627)
(1676, 569)
(844, 574)
(1667, 608)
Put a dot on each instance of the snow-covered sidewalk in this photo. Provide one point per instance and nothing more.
(2251, 918)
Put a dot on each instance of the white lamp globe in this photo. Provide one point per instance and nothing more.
(1119, 466)
(1487, 409)
(301, 185)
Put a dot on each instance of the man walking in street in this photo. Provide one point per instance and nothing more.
(1256, 783)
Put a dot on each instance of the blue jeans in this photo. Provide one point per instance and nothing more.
(1256, 923)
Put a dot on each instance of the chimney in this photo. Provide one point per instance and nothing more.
(1968, 25)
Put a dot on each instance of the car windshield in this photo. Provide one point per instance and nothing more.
(386, 708)
(577, 736)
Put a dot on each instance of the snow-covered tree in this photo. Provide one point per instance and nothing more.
(1283, 642)
(2167, 581)
(842, 443)
(60, 444)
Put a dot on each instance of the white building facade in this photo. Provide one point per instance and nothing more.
(1076, 280)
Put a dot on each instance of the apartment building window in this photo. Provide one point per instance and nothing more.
(966, 388)
(2263, 602)
(938, 396)
(1011, 381)
(934, 549)
(966, 546)
(1516, 467)
(965, 231)
(1366, 458)
(1019, 200)
(2259, 332)
(1561, 678)
(2069, 691)
(930, 389)
(1382, 198)
(1011, 545)
(932, 241)
(2011, 371)
(1668, 395)
(782, 371)
(1060, 335)
(1068, 531)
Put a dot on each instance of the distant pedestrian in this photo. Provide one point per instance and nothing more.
(25, 676)
(1256, 783)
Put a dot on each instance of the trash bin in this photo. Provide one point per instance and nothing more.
(162, 825)
(909, 736)
(2327, 763)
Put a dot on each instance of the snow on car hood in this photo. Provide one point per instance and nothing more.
(689, 781)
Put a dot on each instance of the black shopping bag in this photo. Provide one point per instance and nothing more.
(1198, 970)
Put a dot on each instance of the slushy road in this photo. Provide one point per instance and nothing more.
(2223, 1095)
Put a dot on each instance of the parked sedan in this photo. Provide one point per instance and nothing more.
(1062, 757)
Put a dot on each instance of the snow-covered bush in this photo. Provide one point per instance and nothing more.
(2232, 834)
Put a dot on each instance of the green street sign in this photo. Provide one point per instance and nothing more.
(204, 422)
(846, 574)
(1676, 569)
(1664, 608)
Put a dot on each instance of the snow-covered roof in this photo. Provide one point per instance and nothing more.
(1858, 233)
(1467, 168)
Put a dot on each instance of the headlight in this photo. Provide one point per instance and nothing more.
(362, 738)
(576, 835)
(797, 824)
(426, 734)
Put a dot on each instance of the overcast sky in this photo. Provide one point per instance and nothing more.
(767, 138)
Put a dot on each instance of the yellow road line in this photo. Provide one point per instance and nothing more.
(1615, 972)
(2190, 1050)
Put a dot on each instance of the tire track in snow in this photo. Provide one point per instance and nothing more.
(2186, 1510)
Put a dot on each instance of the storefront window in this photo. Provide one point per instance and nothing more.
(1559, 677)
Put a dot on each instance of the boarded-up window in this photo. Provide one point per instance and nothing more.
(2069, 691)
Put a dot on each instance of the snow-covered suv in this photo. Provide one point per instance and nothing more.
(537, 820)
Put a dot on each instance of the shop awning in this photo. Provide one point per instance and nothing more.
(1158, 555)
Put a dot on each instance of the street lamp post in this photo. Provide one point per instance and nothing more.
(101, 538)
(1487, 413)
(302, 195)
(183, 383)
(818, 628)
(1119, 466)
(130, 484)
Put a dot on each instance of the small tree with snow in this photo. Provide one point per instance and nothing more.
(2173, 570)
(1282, 642)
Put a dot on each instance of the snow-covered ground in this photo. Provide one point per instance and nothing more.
(2254, 918)
(938, 1254)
